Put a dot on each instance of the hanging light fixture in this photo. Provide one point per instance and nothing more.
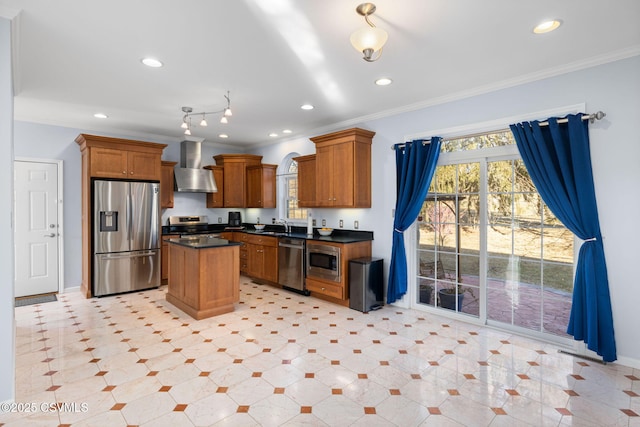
(188, 112)
(369, 40)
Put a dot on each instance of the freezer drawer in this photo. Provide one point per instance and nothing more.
(126, 271)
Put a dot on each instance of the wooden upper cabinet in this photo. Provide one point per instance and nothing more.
(261, 186)
(167, 184)
(216, 200)
(343, 169)
(108, 163)
(235, 177)
(121, 158)
(306, 180)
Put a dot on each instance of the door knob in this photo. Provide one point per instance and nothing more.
(50, 235)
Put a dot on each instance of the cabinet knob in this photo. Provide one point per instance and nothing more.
(324, 289)
(124, 172)
(132, 174)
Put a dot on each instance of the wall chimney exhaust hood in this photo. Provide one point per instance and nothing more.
(189, 175)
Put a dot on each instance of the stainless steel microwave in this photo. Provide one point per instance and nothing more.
(323, 261)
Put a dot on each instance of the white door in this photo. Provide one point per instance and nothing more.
(36, 228)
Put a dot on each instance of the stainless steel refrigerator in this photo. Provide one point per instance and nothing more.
(126, 236)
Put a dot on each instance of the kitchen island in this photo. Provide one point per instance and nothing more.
(204, 278)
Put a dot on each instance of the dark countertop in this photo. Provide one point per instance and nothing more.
(276, 230)
(201, 242)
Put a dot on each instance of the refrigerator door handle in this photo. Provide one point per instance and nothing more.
(129, 217)
(136, 254)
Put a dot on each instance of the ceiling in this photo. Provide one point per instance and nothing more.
(74, 58)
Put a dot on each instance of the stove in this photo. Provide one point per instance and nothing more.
(193, 225)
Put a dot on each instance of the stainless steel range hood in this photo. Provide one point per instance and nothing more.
(189, 175)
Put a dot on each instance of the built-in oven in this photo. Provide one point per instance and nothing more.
(323, 261)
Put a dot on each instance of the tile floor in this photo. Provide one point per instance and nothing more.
(285, 359)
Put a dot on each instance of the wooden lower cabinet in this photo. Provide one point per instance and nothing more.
(259, 257)
(203, 282)
(164, 262)
(338, 292)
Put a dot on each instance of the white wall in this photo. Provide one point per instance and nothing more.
(7, 320)
(612, 88)
(615, 145)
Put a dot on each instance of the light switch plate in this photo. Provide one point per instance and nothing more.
(219, 220)
(356, 224)
(313, 222)
(341, 224)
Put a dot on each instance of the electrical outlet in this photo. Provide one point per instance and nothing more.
(324, 222)
(356, 224)
(219, 220)
(273, 220)
(313, 222)
(258, 220)
(341, 224)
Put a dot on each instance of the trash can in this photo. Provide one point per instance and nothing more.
(365, 284)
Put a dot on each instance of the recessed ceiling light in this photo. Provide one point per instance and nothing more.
(547, 26)
(273, 134)
(152, 62)
(100, 116)
(223, 135)
(286, 130)
(384, 81)
(307, 107)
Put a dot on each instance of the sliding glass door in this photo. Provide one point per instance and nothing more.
(487, 245)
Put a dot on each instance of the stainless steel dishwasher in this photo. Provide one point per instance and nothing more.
(291, 264)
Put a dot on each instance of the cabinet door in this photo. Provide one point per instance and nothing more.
(342, 176)
(234, 185)
(255, 260)
(270, 265)
(324, 176)
(143, 165)
(254, 187)
(306, 181)
(216, 200)
(108, 163)
(164, 262)
(166, 185)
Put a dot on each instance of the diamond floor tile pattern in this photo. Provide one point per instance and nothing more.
(282, 359)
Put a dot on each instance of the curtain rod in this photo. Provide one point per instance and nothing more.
(591, 117)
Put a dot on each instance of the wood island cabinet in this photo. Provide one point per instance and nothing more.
(203, 282)
(166, 184)
(261, 186)
(216, 200)
(235, 177)
(343, 169)
(106, 157)
(306, 180)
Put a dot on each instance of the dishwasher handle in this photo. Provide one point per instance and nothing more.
(291, 243)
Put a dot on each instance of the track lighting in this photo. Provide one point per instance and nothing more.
(188, 112)
(368, 40)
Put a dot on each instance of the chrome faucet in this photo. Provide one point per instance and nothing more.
(287, 226)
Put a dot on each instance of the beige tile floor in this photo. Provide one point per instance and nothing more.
(285, 359)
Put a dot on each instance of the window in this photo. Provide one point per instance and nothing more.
(487, 241)
(289, 209)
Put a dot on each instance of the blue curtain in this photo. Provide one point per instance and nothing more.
(558, 160)
(415, 165)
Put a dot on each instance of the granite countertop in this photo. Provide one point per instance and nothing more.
(201, 242)
(338, 235)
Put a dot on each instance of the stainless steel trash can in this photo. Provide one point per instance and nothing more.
(365, 284)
